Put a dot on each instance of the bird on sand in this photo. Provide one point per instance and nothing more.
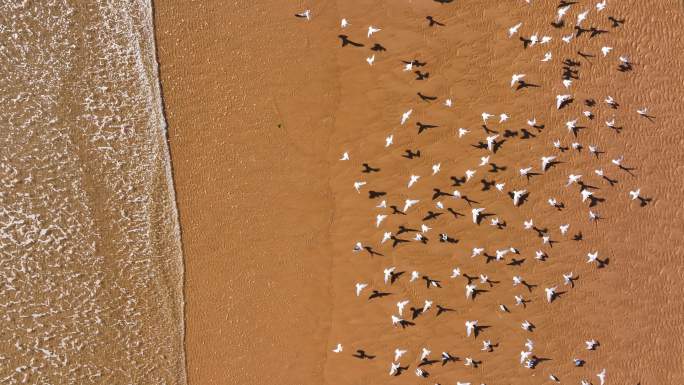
(405, 116)
(345, 156)
(360, 287)
(550, 293)
(409, 203)
(400, 307)
(370, 60)
(491, 140)
(592, 257)
(514, 29)
(602, 376)
(547, 57)
(398, 353)
(344, 23)
(601, 6)
(388, 273)
(635, 194)
(379, 218)
(389, 141)
(470, 327)
(306, 14)
(606, 50)
(546, 161)
(462, 132)
(358, 185)
(338, 349)
(517, 195)
(413, 179)
(516, 78)
(372, 30)
(560, 99)
(476, 213)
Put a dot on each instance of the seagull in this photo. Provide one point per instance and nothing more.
(503, 118)
(389, 141)
(516, 78)
(483, 161)
(567, 278)
(344, 23)
(425, 354)
(462, 132)
(491, 140)
(609, 100)
(338, 349)
(524, 356)
(567, 38)
(408, 67)
(624, 59)
(370, 60)
(545, 40)
(591, 344)
(372, 30)
(398, 353)
(382, 204)
(306, 14)
(469, 174)
(476, 251)
(562, 11)
(517, 280)
(618, 161)
(571, 124)
(435, 168)
(500, 186)
(547, 57)
(532, 122)
(394, 369)
(529, 344)
(519, 300)
(643, 111)
(455, 273)
(388, 273)
(476, 213)
(581, 17)
(592, 257)
(503, 308)
(396, 320)
(413, 179)
(400, 306)
(560, 99)
(528, 224)
(586, 194)
(550, 293)
(357, 186)
(593, 216)
(405, 116)
(427, 305)
(525, 171)
(635, 194)
(379, 218)
(526, 325)
(409, 203)
(486, 116)
(567, 83)
(601, 6)
(470, 327)
(533, 40)
(553, 202)
(345, 156)
(447, 102)
(360, 287)
(606, 50)
(517, 195)
(553, 378)
(588, 114)
(468, 361)
(546, 160)
(564, 228)
(602, 376)
(470, 290)
(386, 237)
(611, 123)
(572, 178)
(501, 253)
(414, 276)
(486, 345)
(557, 143)
(424, 228)
(514, 29)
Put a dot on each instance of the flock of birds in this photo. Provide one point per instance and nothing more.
(490, 145)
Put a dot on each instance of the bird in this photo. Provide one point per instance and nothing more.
(483, 161)
(424, 354)
(517, 280)
(400, 307)
(476, 214)
(405, 116)
(396, 320)
(528, 224)
(564, 228)
(567, 278)
(370, 59)
(358, 185)
(606, 50)
(545, 39)
(517, 195)
(586, 194)
(462, 132)
(567, 83)
(560, 99)
(524, 355)
(643, 112)
(398, 353)
(550, 293)
(602, 376)
(372, 30)
(526, 325)
(360, 287)
(547, 57)
(529, 344)
(388, 273)
(553, 378)
(525, 171)
(409, 203)
(491, 140)
(413, 179)
(394, 368)
(532, 122)
(635, 194)
(572, 178)
(581, 17)
(567, 38)
(503, 118)
(561, 12)
(424, 228)
(516, 78)
(503, 308)
(345, 156)
(389, 141)
(486, 116)
(306, 14)
(344, 23)
(386, 237)
(601, 6)
(470, 327)
(592, 257)
(591, 344)
(470, 290)
(408, 66)
(414, 276)
(379, 218)
(476, 251)
(514, 29)
(546, 161)
(455, 273)
(500, 186)
(435, 168)
(427, 305)
(469, 174)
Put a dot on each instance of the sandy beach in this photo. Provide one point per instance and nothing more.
(260, 106)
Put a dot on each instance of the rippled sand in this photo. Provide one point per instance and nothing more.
(90, 261)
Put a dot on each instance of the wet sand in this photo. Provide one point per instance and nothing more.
(260, 106)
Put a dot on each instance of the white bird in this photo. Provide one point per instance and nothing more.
(503, 118)
(602, 376)
(462, 132)
(547, 57)
(468, 361)
(405, 116)
(567, 38)
(567, 83)
(540, 255)
(360, 287)
(470, 327)
(491, 140)
(476, 213)
(396, 320)
(338, 349)
(517, 280)
(344, 23)
(500, 186)
(593, 149)
(414, 276)
(529, 344)
(550, 293)
(424, 228)
(524, 356)
(572, 178)
(553, 202)
(546, 161)
(592, 257)
(447, 102)
(545, 39)
(586, 194)
(382, 204)
(564, 228)
(624, 59)
(588, 114)
(601, 6)
(345, 156)
(398, 353)
(519, 300)
(528, 224)
(643, 111)
(534, 39)
(635, 194)
(469, 174)
(408, 66)
(306, 14)
(435, 168)
(413, 179)
(617, 161)
(484, 278)
(582, 16)
(425, 354)
(486, 116)
(503, 308)
(516, 78)
(462, 383)
(400, 307)
(514, 29)
(455, 273)
(571, 124)
(388, 273)
(500, 254)
(370, 60)
(379, 218)
(470, 290)
(439, 205)
(409, 203)
(557, 143)
(386, 237)
(591, 344)
(486, 345)
(561, 12)
(525, 171)
(358, 247)
(389, 141)
(606, 50)
(611, 123)
(394, 368)
(358, 185)
(593, 216)
(372, 30)
(427, 305)
(483, 161)
(476, 251)
(567, 278)
(517, 194)
(560, 99)
(532, 122)
(526, 325)
(609, 100)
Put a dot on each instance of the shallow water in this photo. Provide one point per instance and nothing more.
(90, 259)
